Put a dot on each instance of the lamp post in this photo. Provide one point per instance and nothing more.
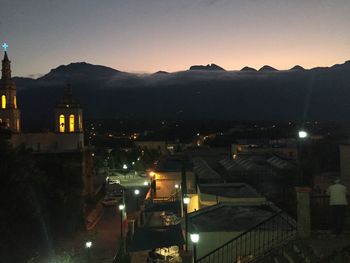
(121, 209)
(137, 193)
(186, 200)
(302, 135)
(194, 239)
(88, 245)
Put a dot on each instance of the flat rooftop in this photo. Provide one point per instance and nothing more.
(226, 217)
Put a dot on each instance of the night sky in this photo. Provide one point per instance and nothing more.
(171, 35)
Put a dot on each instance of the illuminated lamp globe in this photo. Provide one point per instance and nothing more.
(194, 237)
(88, 244)
(302, 134)
(186, 200)
(121, 206)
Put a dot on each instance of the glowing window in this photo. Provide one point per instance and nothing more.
(3, 102)
(62, 123)
(71, 123)
(15, 102)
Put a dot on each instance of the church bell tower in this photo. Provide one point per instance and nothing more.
(9, 112)
(68, 114)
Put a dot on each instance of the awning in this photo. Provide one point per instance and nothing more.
(149, 238)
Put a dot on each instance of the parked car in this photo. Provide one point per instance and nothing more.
(110, 201)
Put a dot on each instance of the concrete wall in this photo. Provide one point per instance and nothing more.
(49, 141)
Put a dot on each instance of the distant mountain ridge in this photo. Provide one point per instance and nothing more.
(207, 67)
(266, 94)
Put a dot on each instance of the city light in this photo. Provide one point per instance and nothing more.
(176, 186)
(151, 173)
(302, 134)
(186, 200)
(145, 183)
(137, 192)
(88, 244)
(121, 207)
(125, 166)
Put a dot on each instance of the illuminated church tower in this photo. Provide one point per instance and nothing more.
(68, 114)
(9, 112)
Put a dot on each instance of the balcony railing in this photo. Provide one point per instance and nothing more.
(255, 242)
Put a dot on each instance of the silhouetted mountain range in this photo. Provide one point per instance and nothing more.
(248, 69)
(207, 67)
(267, 68)
(267, 94)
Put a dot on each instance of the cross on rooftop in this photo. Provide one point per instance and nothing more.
(5, 46)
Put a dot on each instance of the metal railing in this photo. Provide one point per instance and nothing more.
(255, 242)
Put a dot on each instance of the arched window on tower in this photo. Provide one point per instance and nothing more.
(62, 123)
(3, 102)
(71, 123)
(15, 102)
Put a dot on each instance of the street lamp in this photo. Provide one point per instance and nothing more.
(121, 209)
(186, 201)
(194, 239)
(137, 193)
(176, 186)
(302, 135)
(88, 245)
(145, 183)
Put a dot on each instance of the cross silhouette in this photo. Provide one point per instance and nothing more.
(5, 46)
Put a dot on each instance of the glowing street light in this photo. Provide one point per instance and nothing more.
(125, 166)
(137, 192)
(176, 186)
(302, 134)
(121, 207)
(145, 183)
(88, 244)
(186, 200)
(194, 237)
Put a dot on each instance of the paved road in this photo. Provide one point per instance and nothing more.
(106, 234)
